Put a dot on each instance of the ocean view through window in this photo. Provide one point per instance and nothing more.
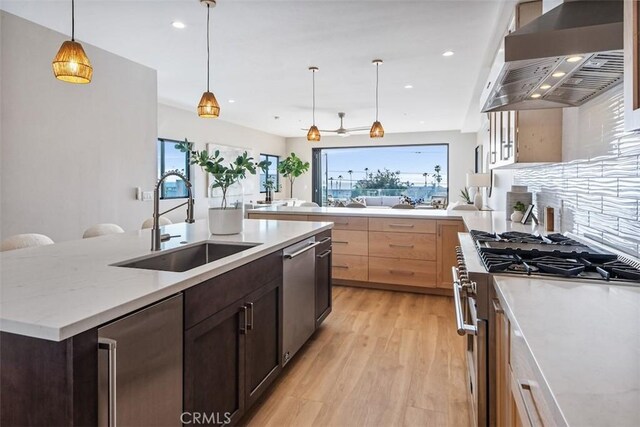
(170, 158)
(381, 175)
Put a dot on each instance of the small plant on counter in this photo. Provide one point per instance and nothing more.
(291, 168)
(520, 207)
(223, 176)
(464, 193)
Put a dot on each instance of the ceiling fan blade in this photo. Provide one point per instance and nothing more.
(326, 130)
(357, 129)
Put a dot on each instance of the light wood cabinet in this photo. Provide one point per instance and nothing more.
(631, 66)
(447, 240)
(402, 245)
(350, 267)
(407, 272)
(343, 222)
(280, 217)
(350, 242)
(520, 138)
(403, 225)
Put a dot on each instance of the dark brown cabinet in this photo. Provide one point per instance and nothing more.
(323, 278)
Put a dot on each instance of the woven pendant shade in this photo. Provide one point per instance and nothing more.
(313, 134)
(208, 107)
(377, 131)
(71, 64)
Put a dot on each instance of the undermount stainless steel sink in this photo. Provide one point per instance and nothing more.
(189, 257)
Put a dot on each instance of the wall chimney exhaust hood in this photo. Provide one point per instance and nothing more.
(563, 58)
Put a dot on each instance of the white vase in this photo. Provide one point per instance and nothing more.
(516, 216)
(226, 210)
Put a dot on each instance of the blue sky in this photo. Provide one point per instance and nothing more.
(411, 161)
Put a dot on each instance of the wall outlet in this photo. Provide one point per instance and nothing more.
(147, 196)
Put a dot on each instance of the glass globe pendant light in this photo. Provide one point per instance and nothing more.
(71, 64)
(377, 131)
(208, 107)
(314, 134)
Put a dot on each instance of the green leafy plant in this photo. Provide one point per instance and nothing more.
(464, 193)
(519, 206)
(291, 168)
(223, 176)
(383, 179)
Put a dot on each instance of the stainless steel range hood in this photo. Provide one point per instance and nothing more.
(561, 59)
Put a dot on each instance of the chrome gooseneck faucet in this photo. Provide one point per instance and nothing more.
(156, 238)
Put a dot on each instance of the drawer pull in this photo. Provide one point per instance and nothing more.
(402, 225)
(325, 253)
(340, 266)
(402, 272)
(341, 223)
(325, 240)
(341, 242)
(393, 245)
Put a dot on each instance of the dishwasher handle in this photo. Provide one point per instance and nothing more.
(110, 346)
(303, 250)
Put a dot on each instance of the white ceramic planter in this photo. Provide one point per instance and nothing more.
(516, 216)
(225, 221)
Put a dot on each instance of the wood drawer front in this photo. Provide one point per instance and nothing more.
(350, 267)
(350, 242)
(402, 245)
(343, 222)
(528, 385)
(277, 217)
(408, 272)
(403, 225)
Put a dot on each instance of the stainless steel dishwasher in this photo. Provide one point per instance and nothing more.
(298, 296)
(140, 367)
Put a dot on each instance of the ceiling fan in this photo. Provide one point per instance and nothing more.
(342, 131)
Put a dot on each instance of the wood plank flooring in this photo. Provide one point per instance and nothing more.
(380, 359)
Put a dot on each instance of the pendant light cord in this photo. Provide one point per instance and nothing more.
(73, 21)
(377, 80)
(314, 96)
(208, 54)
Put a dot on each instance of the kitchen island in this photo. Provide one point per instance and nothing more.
(397, 249)
(67, 307)
(571, 352)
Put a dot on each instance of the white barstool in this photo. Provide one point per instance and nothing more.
(355, 205)
(102, 230)
(309, 205)
(27, 240)
(148, 223)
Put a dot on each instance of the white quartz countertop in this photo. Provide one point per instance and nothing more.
(585, 339)
(490, 221)
(57, 291)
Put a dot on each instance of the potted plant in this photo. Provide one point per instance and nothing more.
(291, 168)
(464, 193)
(226, 207)
(269, 186)
(518, 212)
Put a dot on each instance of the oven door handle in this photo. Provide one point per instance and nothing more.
(463, 328)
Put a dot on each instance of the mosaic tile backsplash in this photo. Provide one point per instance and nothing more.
(598, 198)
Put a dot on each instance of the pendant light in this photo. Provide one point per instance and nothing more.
(314, 134)
(208, 107)
(377, 131)
(71, 64)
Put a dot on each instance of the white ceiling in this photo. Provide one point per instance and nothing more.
(261, 50)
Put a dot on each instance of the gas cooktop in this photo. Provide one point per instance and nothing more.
(552, 255)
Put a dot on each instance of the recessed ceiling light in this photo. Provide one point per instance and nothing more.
(178, 24)
(536, 95)
(545, 86)
(574, 58)
(231, 101)
(421, 122)
(448, 53)
(408, 86)
(558, 74)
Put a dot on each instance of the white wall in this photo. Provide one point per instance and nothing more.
(178, 124)
(461, 154)
(71, 154)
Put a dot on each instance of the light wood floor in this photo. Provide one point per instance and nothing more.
(380, 359)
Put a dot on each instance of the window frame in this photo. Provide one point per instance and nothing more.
(316, 167)
(160, 144)
(268, 156)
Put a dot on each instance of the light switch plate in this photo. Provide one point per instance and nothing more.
(147, 196)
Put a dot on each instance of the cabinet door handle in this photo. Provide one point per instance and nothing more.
(250, 324)
(496, 306)
(340, 266)
(243, 326)
(110, 345)
(529, 404)
(324, 254)
(402, 272)
(393, 245)
(301, 251)
(402, 225)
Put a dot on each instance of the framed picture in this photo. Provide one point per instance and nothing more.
(527, 215)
